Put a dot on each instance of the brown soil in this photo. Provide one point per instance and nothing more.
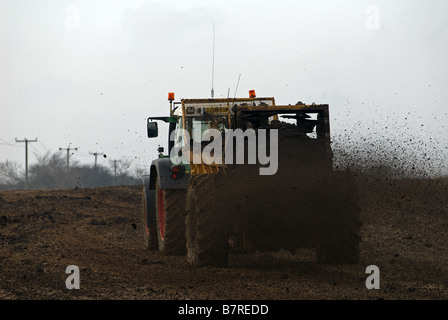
(404, 232)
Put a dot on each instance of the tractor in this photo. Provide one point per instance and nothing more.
(247, 174)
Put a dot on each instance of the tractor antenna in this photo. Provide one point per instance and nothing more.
(213, 61)
(236, 88)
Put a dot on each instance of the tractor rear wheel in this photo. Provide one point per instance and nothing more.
(208, 230)
(170, 216)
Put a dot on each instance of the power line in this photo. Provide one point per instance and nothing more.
(40, 142)
(36, 152)
(26, 158)
(7, 143)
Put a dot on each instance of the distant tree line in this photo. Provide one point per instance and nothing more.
(50, 172)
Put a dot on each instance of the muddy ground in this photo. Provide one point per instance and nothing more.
(404, 233)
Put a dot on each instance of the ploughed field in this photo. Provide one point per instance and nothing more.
(42, 232)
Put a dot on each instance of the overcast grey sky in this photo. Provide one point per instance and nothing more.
(87, 73)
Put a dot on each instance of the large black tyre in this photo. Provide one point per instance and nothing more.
(341, 237)
(170, 216)
(149, 220)
(208, 228)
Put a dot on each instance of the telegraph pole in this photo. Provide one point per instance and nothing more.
(96, 154)
(68, 155)
(26, 158)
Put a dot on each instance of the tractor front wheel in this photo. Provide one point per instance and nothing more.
(170, 216)
(149, 219)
